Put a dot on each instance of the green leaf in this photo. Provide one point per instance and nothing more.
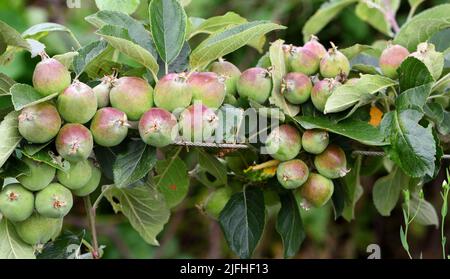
(32, 149)
(5, 84)
(413, 73)
(134, 164)
(412, 146)
(11, 246)
(347, 95)
(278, 72)
(386, 191)
(352, 188)
(242, 221)
(10, 136)
(356, 49)
(413, 98)
(435, 112)
(14, 168)
(47, 156)
(227, 41)
(441, 86)
(124, 6)
(172, 180)
(217, 23)
(41, 30)
(168, 25)
(66, 246)
(422, 26)
(350, 128)
(35, 47)
(66, 58)
(11, 37)
(136, 29)
(144, 207)
(440, 40)
(426, 213)
(213, 166)
(374, 17)
(93, 59)
(403, 239)
(444, 126)
(119, 38)
(323, 16)
(24, 95)
(289, 224)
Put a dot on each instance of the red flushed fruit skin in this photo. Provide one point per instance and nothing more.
(208, 88)
(315, 141)
(172, 92)
(132, 95)
(109, 127)
(296, 88)
(229, 72)
(158, 127)
(332, 162)
(284, 143)
(255, 84)
(74, 142)
(292, 174)
(39, 123)
(321, 91)
(391, 58)
(78, 103)
(50, 76)
(316, 191)
(315, 47)
(304, 61)
(198, 123)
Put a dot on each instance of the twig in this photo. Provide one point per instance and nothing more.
(90, 211)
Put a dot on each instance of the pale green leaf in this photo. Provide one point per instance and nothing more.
(278, 72)
(225, 42)
(423, 26)
(11, 246)
(348, 95)
(24, 95)
(10, 136)
(124, 6)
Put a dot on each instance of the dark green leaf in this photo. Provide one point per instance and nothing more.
(413, 98)
(14, 168)
(93, 58)
(289, 224)
(242, 221)
(412, 146)
(134, 164)
(136, 30)
(168, 25)
(412, 73)
(426, 213)
(352, 189)
(144, 207)
(172, 180)
(213, 166)
(386, 191)
(65, 246)
(354, 129)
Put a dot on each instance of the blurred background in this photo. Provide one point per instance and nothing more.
(191, 234)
